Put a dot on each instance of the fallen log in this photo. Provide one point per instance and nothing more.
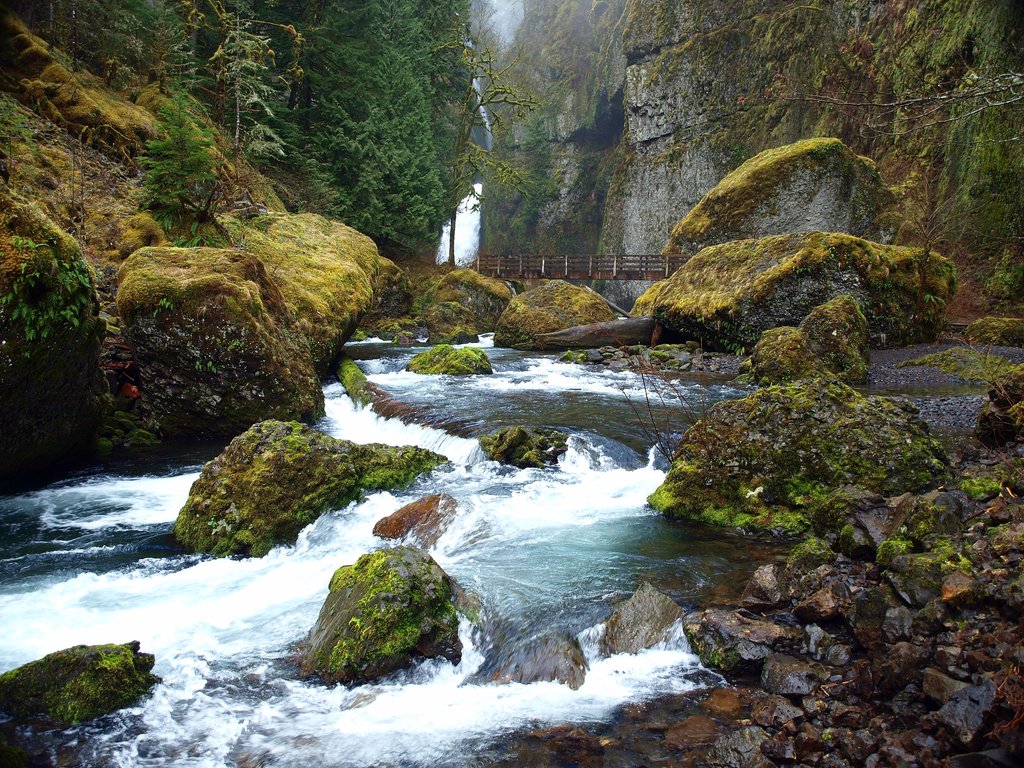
(613, 333)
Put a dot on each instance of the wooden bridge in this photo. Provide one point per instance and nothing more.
(580, 266)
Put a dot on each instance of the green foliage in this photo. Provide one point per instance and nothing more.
(181, 184)
(1007, 279)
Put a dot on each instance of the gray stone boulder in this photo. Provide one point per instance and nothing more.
(642, 621)
(555, 656)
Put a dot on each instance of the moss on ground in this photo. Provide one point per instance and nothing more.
(445, 359)
(997, 331)
(966, 363)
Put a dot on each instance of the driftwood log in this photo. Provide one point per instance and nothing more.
(613, 333)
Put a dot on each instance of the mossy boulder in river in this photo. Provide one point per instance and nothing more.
(554, 306)
(446, 359)
(728, 295)
(782, 356)
(78, 683)
(276, 478)
(387, 609)
(762, 461)
(525, 447)
(210, 331)
(461, 305)
(52, 393)
(812, 185)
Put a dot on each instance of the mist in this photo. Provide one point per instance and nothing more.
(500, 17)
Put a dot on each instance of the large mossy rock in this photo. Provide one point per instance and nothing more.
(815, 185)
(729, 294)
(78, 683)
(782, 355)
(997, 331)
(554, 306)
(387, 609)
(210, 331)
(52, 393)
(462, 305)
(327, 273)
(277, 477)
(445, 359)
(763, 461)
(525, 447)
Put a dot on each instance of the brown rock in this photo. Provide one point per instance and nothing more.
(940, 687)
(731, 641)
(551, 657)
(424, 520)
(958, 588)
(724, 703)
(774, 712)
(640, 622)
(698, 729)
(765, 589)
(823, 605)
(785, 675)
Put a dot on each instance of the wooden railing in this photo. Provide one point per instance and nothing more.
(581, 266)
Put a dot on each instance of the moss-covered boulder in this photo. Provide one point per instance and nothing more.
(554, 306)
(525, 447)
(815, 185)
(1001, 420)
(837, 334)
(461, 305)
(139, 231)
(78, 683)
(997, 331)
(211, 333)
(52, 393)
(381, 613)
(762, 461)
(445, 359)
(781, 356)
(326, 271)
(965, 363)
(729, 294)
(277, 477)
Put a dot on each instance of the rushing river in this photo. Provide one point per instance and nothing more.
(90, 559)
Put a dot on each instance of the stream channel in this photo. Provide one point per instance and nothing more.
(90, 559)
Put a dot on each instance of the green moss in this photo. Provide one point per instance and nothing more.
(523, 447)
(782, 355)
(276, 478)
(837, 334)
(997, 331)
(966, 363)
(445, 359)
(980, 488)
(354, 381)
(553, 306)
(809, 554)
(78, 683)
(891, 548)
(460, 305)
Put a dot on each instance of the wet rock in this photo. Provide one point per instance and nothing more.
(461, 305)
(787, 676)
(571, 745)
(897, 624)
(868, 616)
(77, 684)
(642, 621)
(733, 750)
(917, 578)
(967, 710)
(940, 687)
(425, 520)
(774, 711)
(766, 589)
(697, 729)
(447, 360)
(1001, 420)
(779, 749)
(857, 746)
(823, 605)
(525, 447)
(725, 703)
(382, 612)
(551, 657)
(277, 477)
(822, 646)
(733, 642)
(959, 589)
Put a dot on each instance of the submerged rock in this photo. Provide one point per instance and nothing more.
(554, 306)
(812, 185)
(525, 447)
(52, 393)
(277, 477)
(729, 294)
(78, 683)
(445, 359)
(387, 609)
(640, 622)
(761, 461)
(556, 656)
(425, 520)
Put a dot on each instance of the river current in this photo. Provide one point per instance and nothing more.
(90, 559)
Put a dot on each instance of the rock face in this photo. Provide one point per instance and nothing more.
(554, 306)
(760, 460)
(462, 305)
(382, 612)
(815, 185)
(226, 338)
(78, 683)
(524, 447)
(445, 359)
(998, 331)
(728, 295)
(52, 393)
(642, 621)
(278, 477)
(424, 520)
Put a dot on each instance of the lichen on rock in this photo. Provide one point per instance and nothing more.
(79, 683)
(278, 477)
(782, 355)
(387, 609)
(554, 306)
(760, 462)
(445, 359)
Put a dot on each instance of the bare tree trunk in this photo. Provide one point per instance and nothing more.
(451, 241)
